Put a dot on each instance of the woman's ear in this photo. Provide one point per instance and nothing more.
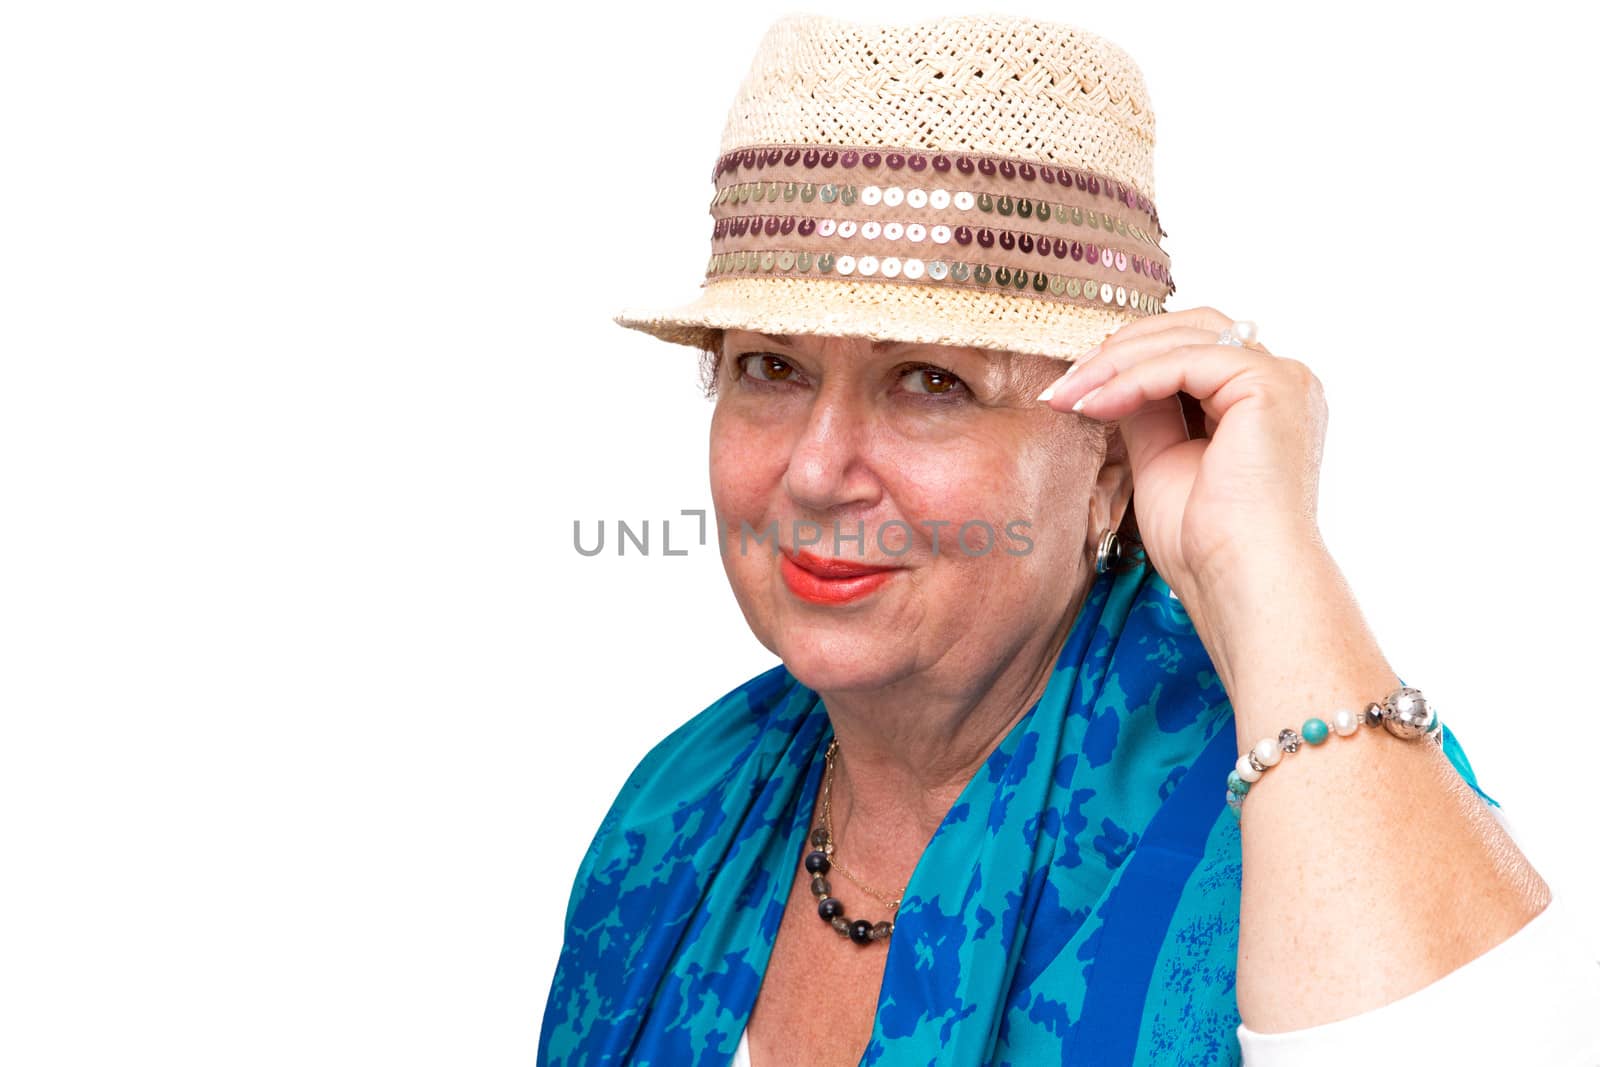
(1113, 489)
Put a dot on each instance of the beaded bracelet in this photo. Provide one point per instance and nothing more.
(1404, 713)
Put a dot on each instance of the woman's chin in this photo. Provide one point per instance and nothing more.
(839, 667)
(835, 678)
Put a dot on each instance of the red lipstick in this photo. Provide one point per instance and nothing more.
(830, 581)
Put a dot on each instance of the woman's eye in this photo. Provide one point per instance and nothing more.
(932, 380)
(766, 367)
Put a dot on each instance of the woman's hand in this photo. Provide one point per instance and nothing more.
(1249, 485)
(1229, 520)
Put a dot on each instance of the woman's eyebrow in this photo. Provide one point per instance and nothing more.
(877, 346)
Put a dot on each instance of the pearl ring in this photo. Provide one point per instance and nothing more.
(1239, 333)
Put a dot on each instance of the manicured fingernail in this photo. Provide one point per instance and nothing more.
(1086, 397)
(1048, 391)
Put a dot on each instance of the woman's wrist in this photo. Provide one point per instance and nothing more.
(1288, 639)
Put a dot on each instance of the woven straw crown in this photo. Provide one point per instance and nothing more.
(976, 180)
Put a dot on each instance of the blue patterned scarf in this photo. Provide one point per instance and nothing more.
(1078, 904)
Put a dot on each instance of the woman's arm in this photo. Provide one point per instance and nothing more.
(1531, 999)
(1371, 868)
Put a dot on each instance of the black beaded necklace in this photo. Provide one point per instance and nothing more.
(820, 861)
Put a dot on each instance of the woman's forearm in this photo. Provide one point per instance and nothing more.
(1370, 867)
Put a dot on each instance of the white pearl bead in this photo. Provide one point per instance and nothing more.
(1247, 772)
(1345, 722)
(1267, 751)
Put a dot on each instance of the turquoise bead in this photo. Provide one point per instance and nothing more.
(1237, 784)
(1315, 731)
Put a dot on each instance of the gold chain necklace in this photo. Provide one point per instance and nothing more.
(820, 860)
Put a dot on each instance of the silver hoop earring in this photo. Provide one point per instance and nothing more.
(1109, 549)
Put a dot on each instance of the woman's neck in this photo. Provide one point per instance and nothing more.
(907, 750)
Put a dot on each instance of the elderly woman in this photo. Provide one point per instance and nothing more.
(1079, 749)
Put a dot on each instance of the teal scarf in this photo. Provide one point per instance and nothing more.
(1078, 904)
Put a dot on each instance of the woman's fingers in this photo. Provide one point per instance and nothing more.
(1152, 429)
(1198, 318)
(1141, 376)
(1117, 353)
(1201, 370)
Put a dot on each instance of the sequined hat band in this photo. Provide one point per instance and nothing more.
(962, 180)
(948, 220)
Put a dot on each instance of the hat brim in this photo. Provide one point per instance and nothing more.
(922, 314)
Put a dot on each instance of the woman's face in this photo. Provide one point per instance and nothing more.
(935, 461)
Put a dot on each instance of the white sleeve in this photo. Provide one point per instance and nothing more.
(1533, 999)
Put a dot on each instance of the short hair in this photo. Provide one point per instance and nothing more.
(710, 346)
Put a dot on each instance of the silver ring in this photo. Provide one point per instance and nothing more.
(1238, 333)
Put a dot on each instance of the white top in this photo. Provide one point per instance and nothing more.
(1533, 999)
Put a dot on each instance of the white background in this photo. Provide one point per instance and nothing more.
(310, 708)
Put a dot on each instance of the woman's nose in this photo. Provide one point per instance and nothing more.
(829, 465)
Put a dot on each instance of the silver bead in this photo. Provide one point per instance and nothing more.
(1288, 740)
(1373, 715)
(1406, 714)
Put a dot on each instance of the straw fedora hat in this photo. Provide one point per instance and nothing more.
(977, 180)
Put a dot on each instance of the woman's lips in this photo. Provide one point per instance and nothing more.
(830, 581)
